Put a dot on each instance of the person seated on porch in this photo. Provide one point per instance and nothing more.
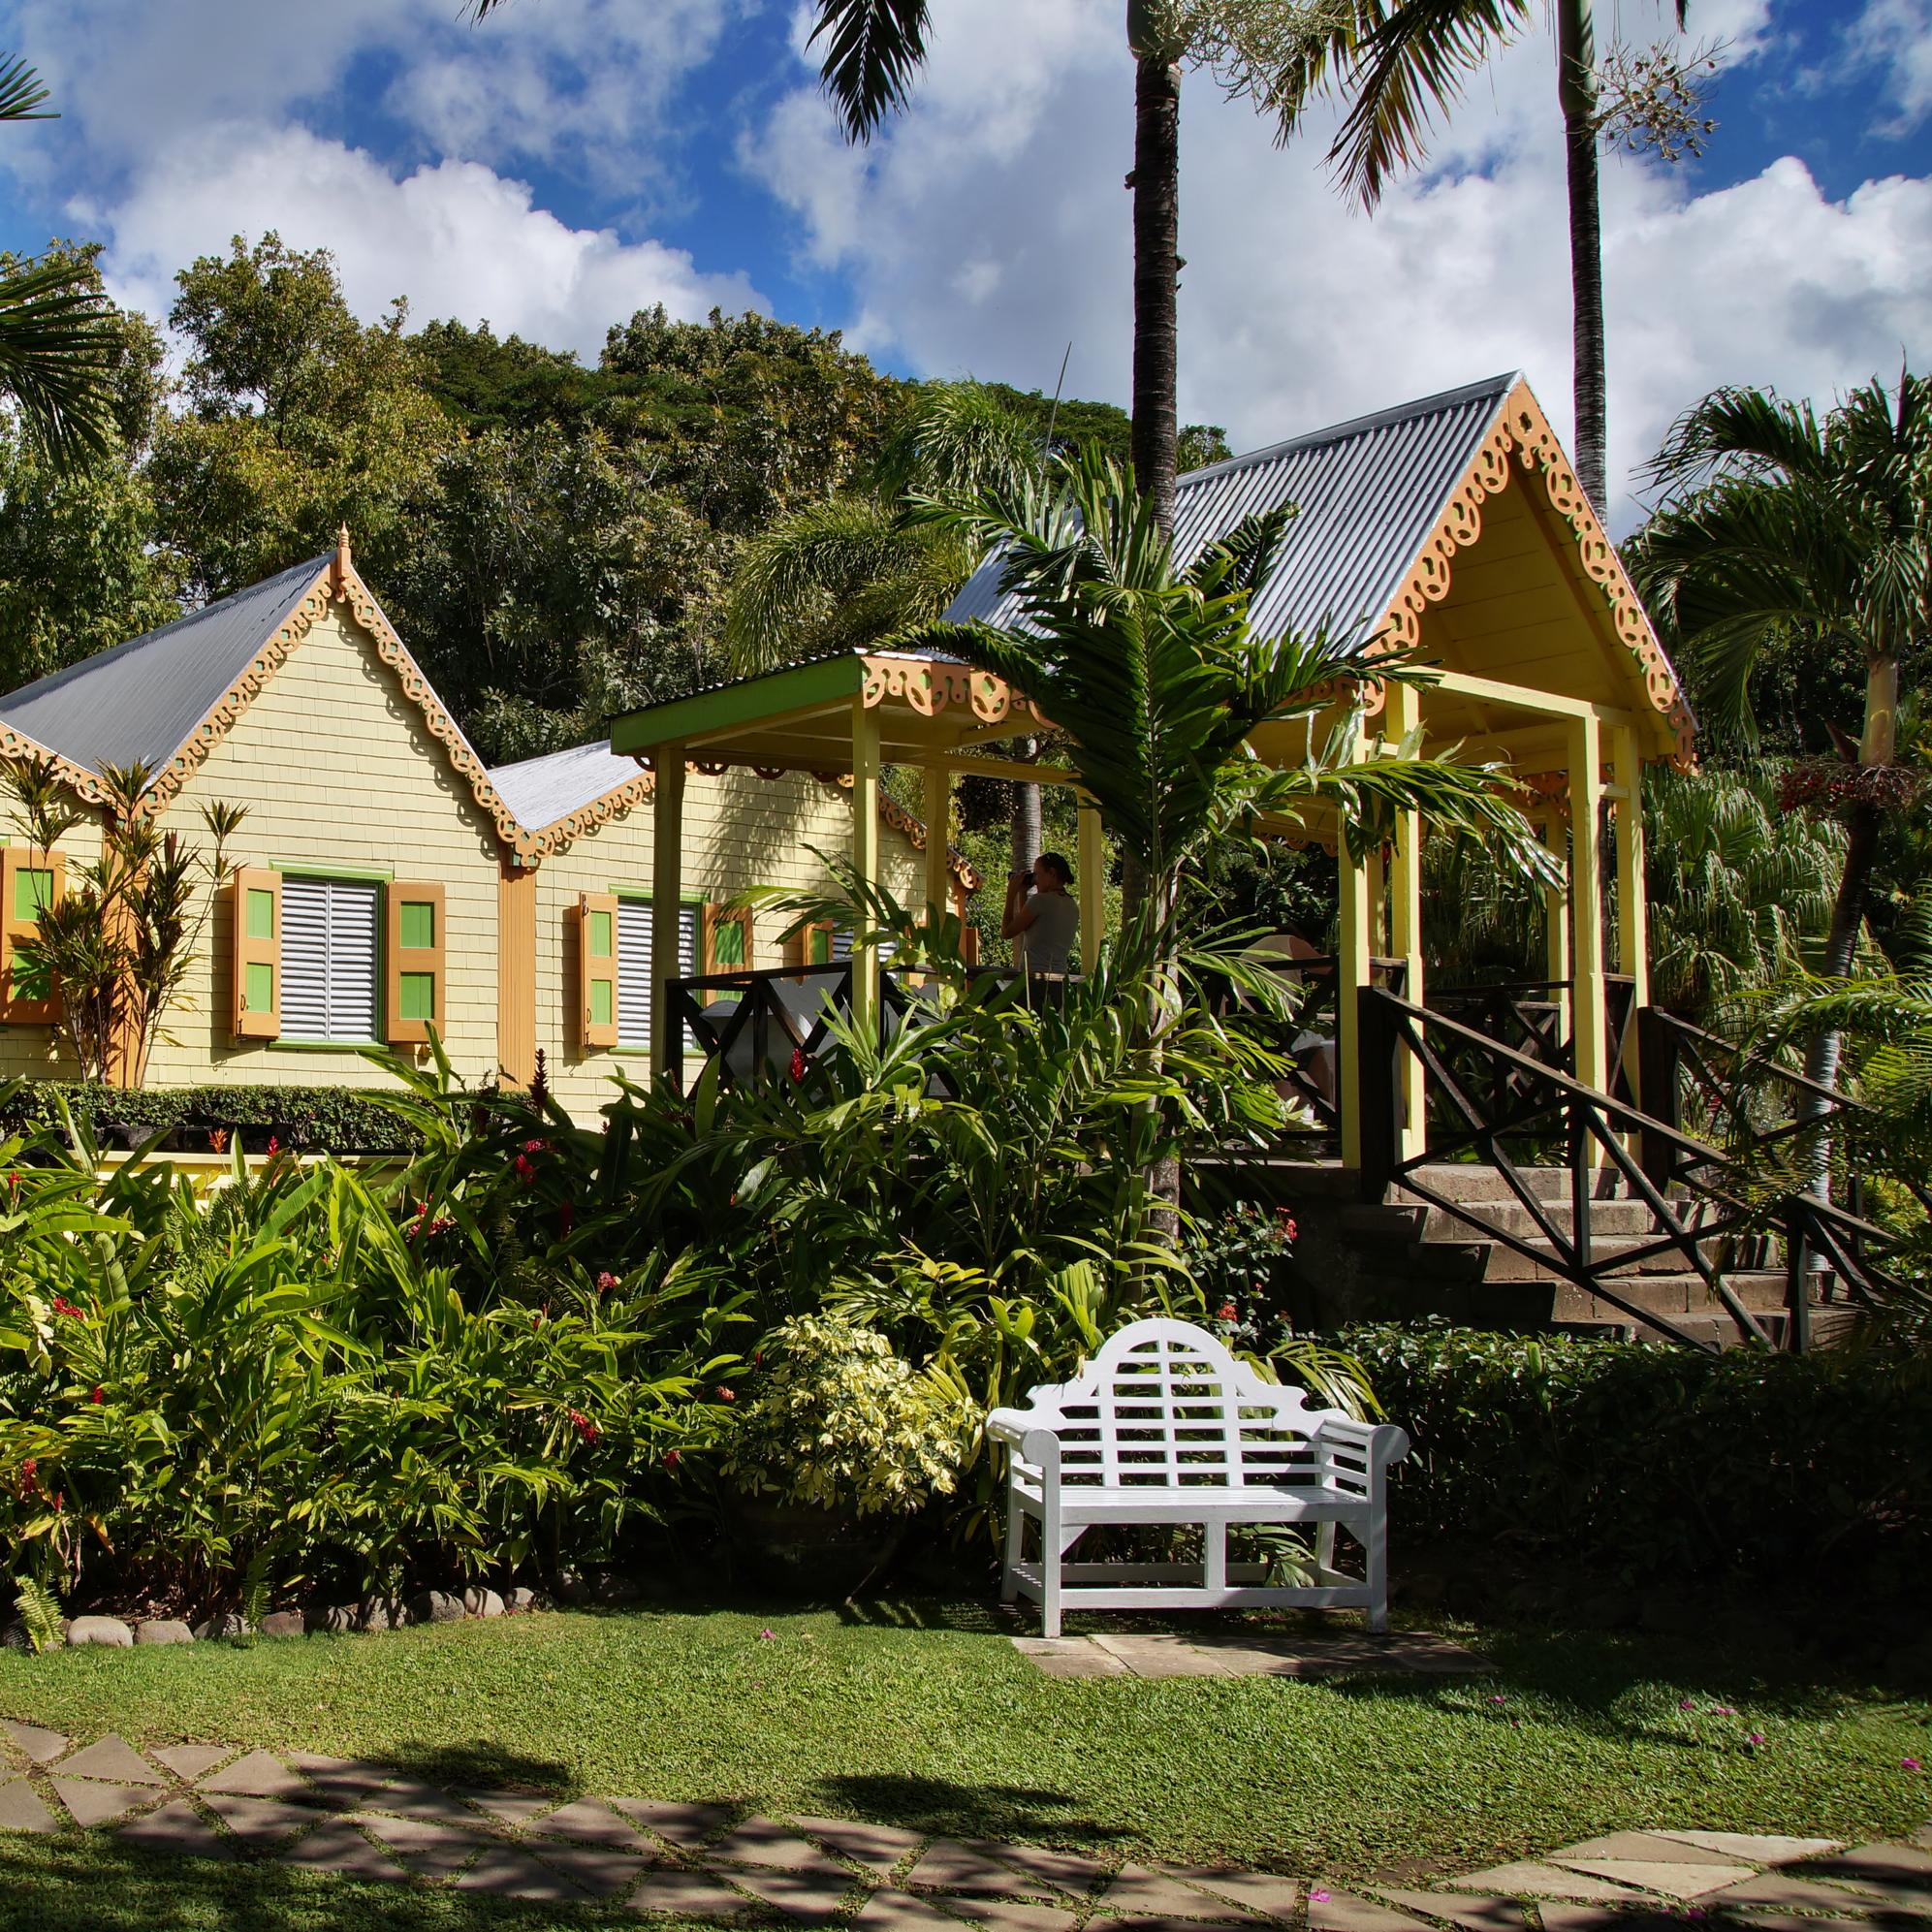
(1312, 1047)
(1041, 923)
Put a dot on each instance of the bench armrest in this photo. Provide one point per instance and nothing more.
(1029, 1437)
(1380, 1444)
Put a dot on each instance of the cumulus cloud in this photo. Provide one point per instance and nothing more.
(1892, 38)
(456, 237)
(982, 239)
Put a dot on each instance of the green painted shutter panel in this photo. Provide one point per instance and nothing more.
(415, 972)
(255, 954)
(595, 918)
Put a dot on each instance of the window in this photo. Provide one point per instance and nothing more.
(330, 955)
(634, 965)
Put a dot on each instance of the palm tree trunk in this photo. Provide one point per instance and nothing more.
(1157, 221)
(1027, 837)
(1879, 745)
(1577, 89)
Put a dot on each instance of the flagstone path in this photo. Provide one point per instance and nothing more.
(712, 1861)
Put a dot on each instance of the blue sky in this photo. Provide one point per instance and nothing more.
(571, 159)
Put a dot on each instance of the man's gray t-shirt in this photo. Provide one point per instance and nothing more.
(1047, 945)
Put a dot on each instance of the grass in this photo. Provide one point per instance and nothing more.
(922, 1714)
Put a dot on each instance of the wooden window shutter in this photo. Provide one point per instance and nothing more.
(726, 940)
(31, 882)
(595, 918)
(810, 946)
(256, 953)
(414, 968)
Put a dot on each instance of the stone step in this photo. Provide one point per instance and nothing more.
(1470, 1181)
(1537, 1304)
(1418, 1222)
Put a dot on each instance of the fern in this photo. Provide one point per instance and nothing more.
(38, 1611)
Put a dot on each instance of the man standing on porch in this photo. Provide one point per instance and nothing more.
(1041, 924)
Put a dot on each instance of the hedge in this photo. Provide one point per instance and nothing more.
(336, 1120)
(1796, 1474)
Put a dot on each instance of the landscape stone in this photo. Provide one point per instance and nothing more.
(589, 1822)
(480, 1602)
(181, 1828)
(1544, 1881)
(521, 1600)
(602, 1870)
(335, 1619)
(257, 1820)
(1259, 1891)
(163, 1629)
(690, 1895)
(435, 1606)
(1754, 1847)
(42, 1747)
(806, 1894)
(91, 1802)
(1344, 1912)
(686, 1824)
(878, 1846)
(1135, 1888)
(258, 1776)
(1669, 1879)
(21, 1809)
(231, 1625)
(336, 1846)
(111, 1633)
(283, 1623)
(191, 1760)
(114, 1758)
(504, 1872)
(14, 1635)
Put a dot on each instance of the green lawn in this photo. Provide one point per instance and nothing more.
(924, 1715)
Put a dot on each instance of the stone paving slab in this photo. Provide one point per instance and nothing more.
(675, 1823)
(1494, 1913)
(181, 1828)
(590, 1821)
(431, 1850)
(903, 1912)
(601, 1870)
(1653, 1847)
(336, 1846)
(1166, 1654)
(348, 1781)
(1163, 1655)
(1345, 1912)
(1260, 1891)
(690, 1894)
(509, 1808)
(42, 1747)
(1158, 1894)
(1560, 1916)
(91, 1801)
(258, 1821)
(1669, 1879)
(189, 1761)
(1539, 1881)
(801, 1895)
(882, 1847)
(1790, 1893)
(504, 1872)
(21, 1808)
(953, 1865)
(1070, 1656)
(112, 1759)
(258, 1775)
(1752, 1848)
(1793, 1921)
(758, 1841)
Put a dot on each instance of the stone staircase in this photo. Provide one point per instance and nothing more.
(1402, 1258)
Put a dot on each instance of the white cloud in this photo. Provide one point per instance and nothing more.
(457, 239)
(1893, 38)
(1295, 309)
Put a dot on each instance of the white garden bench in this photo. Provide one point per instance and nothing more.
(1165, 1426)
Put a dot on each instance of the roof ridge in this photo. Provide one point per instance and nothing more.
(1498, 386)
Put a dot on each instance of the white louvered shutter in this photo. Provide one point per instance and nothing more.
(634, 965)
(331, 929)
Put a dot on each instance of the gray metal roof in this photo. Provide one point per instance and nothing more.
(542, 790)
(1368, 493)
(138, 703)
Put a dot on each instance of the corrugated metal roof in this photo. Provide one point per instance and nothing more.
(138, 703)
(542, 790)
(1368, 493)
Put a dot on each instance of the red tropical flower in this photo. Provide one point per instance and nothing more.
(671, 1459)
(526, 1169)
(61, 1306)
(1229, 1313)
(535, 1146)
(30, 1480)
(583, 1426)
(798, 1065)
(606, 1282)
(97, 1397)
(725, 1395)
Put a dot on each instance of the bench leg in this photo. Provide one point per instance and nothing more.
(1376, 1546)
(1051, 1543)
(1324, 1546)
(1016, 1536)
(1214, 1555)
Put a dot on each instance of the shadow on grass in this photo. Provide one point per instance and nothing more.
(482, 1764)
(945, 1809)
(93, 1884)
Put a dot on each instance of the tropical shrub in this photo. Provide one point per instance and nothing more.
(200, 1120)
(836, 1420)
(1786, 1472)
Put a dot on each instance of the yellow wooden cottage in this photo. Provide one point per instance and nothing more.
(390, 881)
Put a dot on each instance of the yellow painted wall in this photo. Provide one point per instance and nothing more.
(337, 770)
(740, 831)
(39, 1053)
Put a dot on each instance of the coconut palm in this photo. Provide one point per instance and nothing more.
(1781, 525)
(58, 345)
(1404, 62)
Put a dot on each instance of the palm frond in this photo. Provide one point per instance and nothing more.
(59, 351)
(872, 48)
(21, 93)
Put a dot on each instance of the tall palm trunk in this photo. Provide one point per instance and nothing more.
(1879, 745)
(1027, 837)
(1156, 224)
(1576, 91)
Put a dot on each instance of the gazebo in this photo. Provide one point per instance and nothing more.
(1455, 525)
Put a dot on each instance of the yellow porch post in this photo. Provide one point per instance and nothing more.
(938, 826)
(667, 893)
(1556, 922)
(864, 858)
(1632, 910)
(1404, 715)
(1092, 883)
(1586, 902)
(1378, 890)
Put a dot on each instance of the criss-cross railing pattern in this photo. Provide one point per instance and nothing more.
(1698, 1196)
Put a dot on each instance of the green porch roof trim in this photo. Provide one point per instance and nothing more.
(750, 700)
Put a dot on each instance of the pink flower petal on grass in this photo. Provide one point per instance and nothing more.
(1910, 1764)
(1317, 1894)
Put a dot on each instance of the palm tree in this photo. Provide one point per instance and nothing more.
(1784, 526)
(58, 345)
(1402, 62)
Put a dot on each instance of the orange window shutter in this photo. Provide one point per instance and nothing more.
(32, 881)
(414, 974)
(255, 899)
(726, 940)
(595, 916)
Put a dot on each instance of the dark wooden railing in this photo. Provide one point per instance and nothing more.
(1699, 1194)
